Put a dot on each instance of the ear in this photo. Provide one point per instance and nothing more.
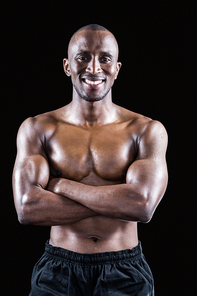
(118, 66)
(66, 67)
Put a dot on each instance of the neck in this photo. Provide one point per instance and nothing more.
(101, 112)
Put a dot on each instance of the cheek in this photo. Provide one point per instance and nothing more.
(74, 67)
(113, 70)
(112, 74)
(76, 71)
(74, 74)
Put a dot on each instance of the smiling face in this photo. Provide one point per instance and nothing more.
(92, 64)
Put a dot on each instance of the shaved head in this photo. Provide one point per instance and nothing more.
(90, 27)
(93, 27)
(92, 62)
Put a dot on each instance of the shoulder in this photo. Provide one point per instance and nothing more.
(154, 129)
(34, 133)
(145, 131)
(39, 125)
(142, 124)
(131, 117)
(150, 132)
(153, 140)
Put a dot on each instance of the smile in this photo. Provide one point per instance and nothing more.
(93, 82)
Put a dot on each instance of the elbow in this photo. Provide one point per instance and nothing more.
(148, 205)
(145, 217)
(23, 216)
(148, 208)
(141, 213)
(24, 212)
(23, 220)
(146, 212)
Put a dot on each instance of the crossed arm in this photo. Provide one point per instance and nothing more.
(62, 201)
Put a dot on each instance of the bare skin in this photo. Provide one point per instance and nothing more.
(91, 169)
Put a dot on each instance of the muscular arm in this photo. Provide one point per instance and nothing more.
(146, 182)
(34, 204)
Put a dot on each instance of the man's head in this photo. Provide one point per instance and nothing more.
(92, 62)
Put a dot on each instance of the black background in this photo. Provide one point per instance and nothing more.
(156, 40)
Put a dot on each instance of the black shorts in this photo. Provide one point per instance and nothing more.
(62, 272)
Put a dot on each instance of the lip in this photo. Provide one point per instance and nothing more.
(93, 82)
(93, 77)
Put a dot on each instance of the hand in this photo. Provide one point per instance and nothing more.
(53, 185)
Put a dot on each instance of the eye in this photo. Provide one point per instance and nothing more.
(82, 58)
(106, 59)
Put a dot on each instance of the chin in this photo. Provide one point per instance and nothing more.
(88, 99)
(95, 98)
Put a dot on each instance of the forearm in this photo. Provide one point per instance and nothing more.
(122, 201)
(42, 207)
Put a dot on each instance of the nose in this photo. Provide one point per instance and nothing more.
(94, 66)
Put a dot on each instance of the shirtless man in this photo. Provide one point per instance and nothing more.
(91, 170)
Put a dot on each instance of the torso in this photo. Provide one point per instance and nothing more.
(95, 156)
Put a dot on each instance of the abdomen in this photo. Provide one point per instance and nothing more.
(95, 234)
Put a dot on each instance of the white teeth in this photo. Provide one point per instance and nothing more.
(93, 82)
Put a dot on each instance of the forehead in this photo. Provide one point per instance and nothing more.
(93, 42)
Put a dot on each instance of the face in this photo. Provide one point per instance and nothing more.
(92, 64)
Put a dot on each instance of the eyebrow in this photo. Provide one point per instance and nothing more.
(88, 52)
(82, 52)
(107, 53)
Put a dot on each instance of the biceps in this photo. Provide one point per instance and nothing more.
(33, 171)
(138, 172)
(148, 175)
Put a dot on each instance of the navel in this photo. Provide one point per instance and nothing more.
(94, 239)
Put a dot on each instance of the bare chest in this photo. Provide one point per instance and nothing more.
(106, 152)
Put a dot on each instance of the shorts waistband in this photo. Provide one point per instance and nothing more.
(94, 258)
